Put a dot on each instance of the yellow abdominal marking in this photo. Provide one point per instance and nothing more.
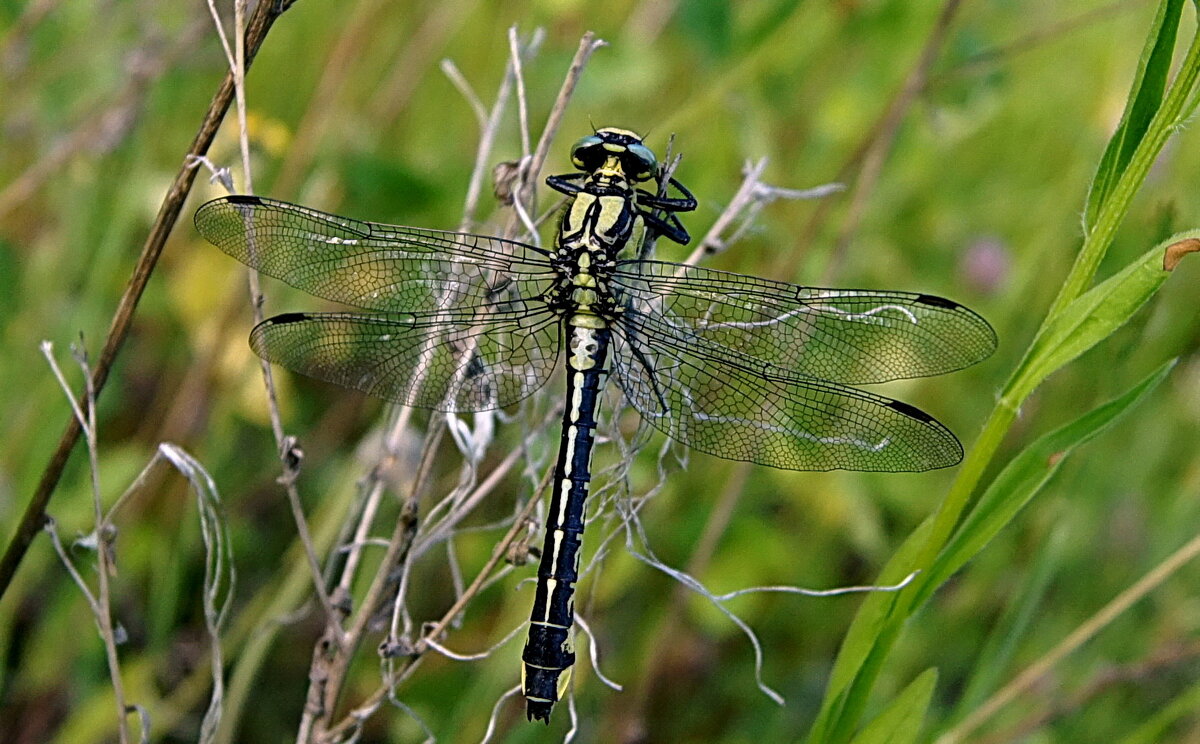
(583, 345)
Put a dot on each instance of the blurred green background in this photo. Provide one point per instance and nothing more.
(978, 197)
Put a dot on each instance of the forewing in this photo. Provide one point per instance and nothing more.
(758, 413)
(841, 335)
(447, 361)
(389, 268)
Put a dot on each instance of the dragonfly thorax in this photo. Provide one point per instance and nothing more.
(595, 229)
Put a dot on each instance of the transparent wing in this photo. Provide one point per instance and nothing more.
(379, 267)
(749, 410)
(448, 361)
(841, 335)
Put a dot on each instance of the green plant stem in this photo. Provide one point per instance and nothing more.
(1166, 120)
(950, 510)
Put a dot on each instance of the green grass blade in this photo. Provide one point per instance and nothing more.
(878, 622)
(1145, 97)
(1085, 322)
(900, 722)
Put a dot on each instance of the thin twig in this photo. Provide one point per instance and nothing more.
(514, 50)
(327, 671)
(587, 46)
(328, 674)
(451, 71)
(101, 602)
(499, 552)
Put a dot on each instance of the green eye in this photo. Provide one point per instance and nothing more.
(585, 154)
(642, 164)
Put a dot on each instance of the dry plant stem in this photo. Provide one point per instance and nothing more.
(101, 603)
(514, 50)
(451, 71)
(713, 241)
(1097, 622)
(332, 680)
(885, 135)
(35, 513)
(324, 675)
(489, 125)
(519, 526)
(328, 674)
(374, 487)
(485, 487)
(587, 46)
(106, 570)
(100, 613)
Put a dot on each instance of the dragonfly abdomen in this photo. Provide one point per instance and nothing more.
(549, 651)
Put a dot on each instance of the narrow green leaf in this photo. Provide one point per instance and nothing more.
(1094, 316)
(1024, 476)
(900, 722)
(1145, 96)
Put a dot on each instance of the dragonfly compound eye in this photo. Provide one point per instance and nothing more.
(640, 162)
(588, 153)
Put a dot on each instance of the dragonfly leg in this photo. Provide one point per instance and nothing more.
(670, 228)
(563, 184)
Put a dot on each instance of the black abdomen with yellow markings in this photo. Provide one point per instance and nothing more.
(735, 366)
(549, 650)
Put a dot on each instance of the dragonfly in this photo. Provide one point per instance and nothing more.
(735, 366)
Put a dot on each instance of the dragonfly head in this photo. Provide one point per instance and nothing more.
(615, 154)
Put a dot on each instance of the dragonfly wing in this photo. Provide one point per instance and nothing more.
(841, 335)
(447, 361)
(758, 413)
(389, 268)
